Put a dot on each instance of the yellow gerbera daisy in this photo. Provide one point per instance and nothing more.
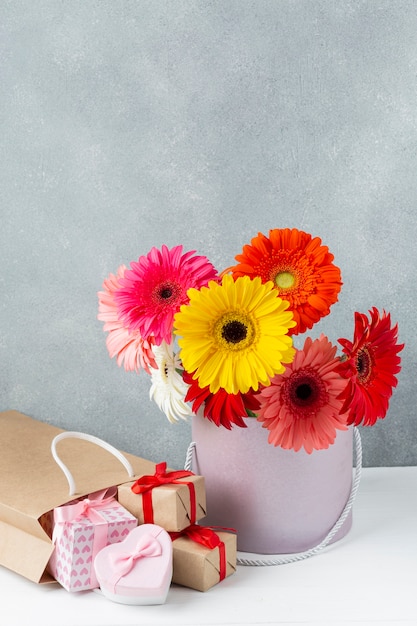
(233, 335)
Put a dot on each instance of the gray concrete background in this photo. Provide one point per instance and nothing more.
(127, 124)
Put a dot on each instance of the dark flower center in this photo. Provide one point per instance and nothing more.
(234, 331)
(364, 364)
(305, 393)
(166, 292)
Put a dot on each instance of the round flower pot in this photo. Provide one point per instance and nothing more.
(279, 501)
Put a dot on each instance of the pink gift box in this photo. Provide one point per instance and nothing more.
(80, 530)
(137, 570)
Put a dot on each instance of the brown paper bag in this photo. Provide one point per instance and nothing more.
(32, 483)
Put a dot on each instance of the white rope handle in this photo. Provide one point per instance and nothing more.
(293, 558)
(91, 439)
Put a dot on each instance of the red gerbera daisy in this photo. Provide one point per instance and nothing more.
(155, 287)
(300, 268)
(222, 408)
(369, 365)
(301, 407)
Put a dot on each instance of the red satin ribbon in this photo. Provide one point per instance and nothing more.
(145, 484)
(205, 536)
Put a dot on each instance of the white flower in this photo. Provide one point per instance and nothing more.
(168, 389)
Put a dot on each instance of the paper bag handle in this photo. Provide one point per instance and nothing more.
(91, 439)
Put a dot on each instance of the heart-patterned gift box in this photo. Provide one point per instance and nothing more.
(80, 530)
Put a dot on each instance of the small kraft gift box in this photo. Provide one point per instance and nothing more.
(173, 499)
(80, 530)
(202, 556)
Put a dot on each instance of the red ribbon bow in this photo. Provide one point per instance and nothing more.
(145, 484)
(205, 536)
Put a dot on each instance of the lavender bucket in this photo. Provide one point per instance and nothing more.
(279, 501)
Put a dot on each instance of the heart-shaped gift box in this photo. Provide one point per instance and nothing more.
(138, 570)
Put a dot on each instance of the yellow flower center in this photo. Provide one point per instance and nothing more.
(285, 280)
(234, 331)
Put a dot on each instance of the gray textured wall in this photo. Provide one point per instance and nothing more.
(128, 124)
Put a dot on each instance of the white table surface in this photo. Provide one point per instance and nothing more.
(367, 578)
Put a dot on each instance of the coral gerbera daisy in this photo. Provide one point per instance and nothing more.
(233, 335)
(155, 287)
(302, 408)
(129, 348)
(168, 388)
(370, 364)
(222, 408)
(300, 268)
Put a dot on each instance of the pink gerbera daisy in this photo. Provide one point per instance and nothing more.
(301, 407)
(128, 347)
(155, 287)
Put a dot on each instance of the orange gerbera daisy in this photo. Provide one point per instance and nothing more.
(301, 269)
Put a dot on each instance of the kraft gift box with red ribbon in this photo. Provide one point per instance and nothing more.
(172, 499)
(80, 530)
(202, 556)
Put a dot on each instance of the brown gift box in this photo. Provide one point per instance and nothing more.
(171, 503)
(198, 567)
(32, 484)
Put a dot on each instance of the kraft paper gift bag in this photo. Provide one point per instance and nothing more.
(32, 484)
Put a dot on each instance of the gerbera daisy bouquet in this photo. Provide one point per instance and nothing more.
(223, 345)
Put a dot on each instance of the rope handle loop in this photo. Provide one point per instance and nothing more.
(91, 439)
(293, 558)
